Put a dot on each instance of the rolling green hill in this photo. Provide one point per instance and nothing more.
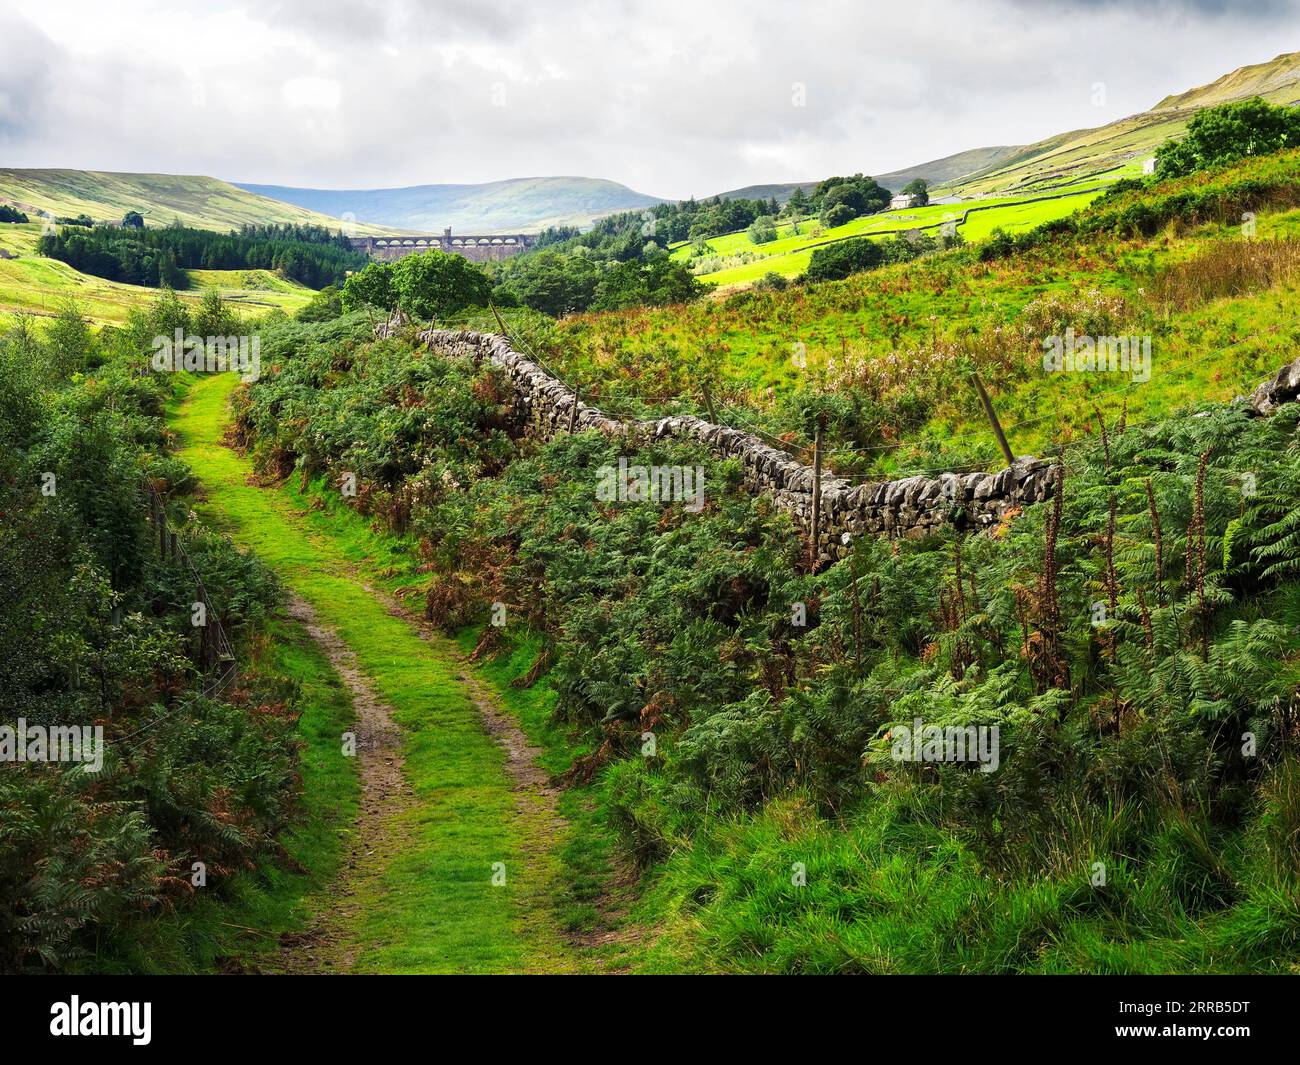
(517, 205)
(1069, 156)
(782, 192)
(1220, 309)
(950, 167)
(202, 202)
(1015, 188)
(1076, 154)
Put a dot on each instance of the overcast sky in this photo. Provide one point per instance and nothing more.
(672, 97)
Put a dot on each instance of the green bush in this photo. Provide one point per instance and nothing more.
(1228, 132)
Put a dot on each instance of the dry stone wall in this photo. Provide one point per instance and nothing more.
(911, 507)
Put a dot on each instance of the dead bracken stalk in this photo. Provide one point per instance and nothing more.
(953, 611)
(1111, 579)
(1146, 620)
(857, 613)
(1158, 539)
(1198, 525)
(1055, 670)
(1105, 440)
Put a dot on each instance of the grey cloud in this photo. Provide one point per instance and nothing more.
(675, 99)
(27, 61)
(1253, 9)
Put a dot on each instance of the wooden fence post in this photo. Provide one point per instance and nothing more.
(708, 405)
(500, 324)
(573, 414)
(203, 630)
(993, 419)
(817, 492)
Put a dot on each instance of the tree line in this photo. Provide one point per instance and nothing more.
(623, 260)
(310, 255)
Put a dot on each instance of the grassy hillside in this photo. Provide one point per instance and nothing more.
(1144, 809)
(1078, 154)
(201, 202)
(1067, 156)
(519, 205)
(734, 260)
(947, 169)
(896, 342)
(40, 286)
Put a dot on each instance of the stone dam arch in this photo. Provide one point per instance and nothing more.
(479, 249)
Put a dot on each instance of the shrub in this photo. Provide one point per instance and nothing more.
(837, 215)
(762, 230)
(1227, 132)
(844, 257)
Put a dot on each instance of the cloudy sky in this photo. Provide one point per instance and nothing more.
(672, 97)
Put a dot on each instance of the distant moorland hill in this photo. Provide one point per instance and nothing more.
(516, 205)
(1068, 156)
(194, 200)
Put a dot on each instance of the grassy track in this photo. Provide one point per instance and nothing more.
(434, 907)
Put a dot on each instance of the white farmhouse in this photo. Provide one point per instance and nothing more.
(902, 201)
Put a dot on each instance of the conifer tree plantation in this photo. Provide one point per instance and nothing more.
(832, 563)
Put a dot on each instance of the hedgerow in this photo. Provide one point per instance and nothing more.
(95, 630)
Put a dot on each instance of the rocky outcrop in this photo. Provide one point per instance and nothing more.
(1282, 387)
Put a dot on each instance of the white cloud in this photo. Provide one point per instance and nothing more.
(312, 94)
(675, 98)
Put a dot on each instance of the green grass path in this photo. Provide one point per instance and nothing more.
(433, 907)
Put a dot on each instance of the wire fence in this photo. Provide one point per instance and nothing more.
(214, 654)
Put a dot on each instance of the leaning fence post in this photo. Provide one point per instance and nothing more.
(993, 419)
(573, 414)
(708, 404)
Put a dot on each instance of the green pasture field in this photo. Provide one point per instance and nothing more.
(31, 284)
(790, 253)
